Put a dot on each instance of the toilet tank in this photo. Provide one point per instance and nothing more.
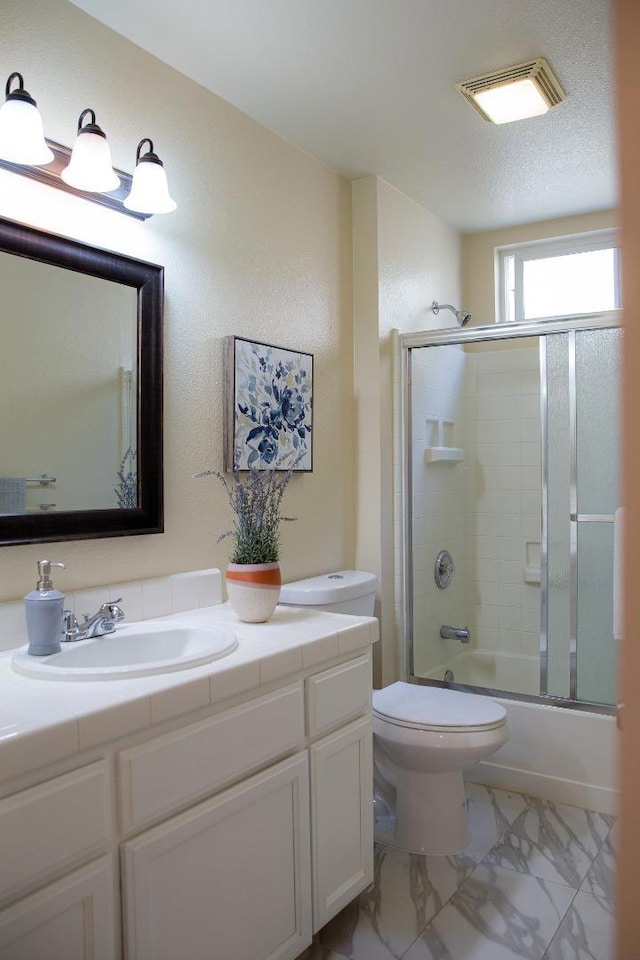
(346, 591)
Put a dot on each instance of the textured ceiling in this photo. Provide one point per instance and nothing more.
(367, 86)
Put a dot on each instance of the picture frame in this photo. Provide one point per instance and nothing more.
(269, 407)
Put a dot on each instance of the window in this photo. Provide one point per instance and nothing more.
(560, 277)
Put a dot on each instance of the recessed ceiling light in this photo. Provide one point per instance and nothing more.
(526, 90)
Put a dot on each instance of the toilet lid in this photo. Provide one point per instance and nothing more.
(431, 708)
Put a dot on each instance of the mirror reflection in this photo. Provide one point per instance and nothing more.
(68, 370)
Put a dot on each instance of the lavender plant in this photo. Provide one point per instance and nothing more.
(127, 489)
(255, 497)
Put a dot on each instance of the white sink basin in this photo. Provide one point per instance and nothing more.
(135, 650)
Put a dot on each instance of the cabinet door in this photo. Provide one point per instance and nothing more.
(71, 919)
(342, 818)
(228, 879)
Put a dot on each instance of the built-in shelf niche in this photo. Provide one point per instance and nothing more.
(441, 449)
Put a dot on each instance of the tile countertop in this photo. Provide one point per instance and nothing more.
(43, 721)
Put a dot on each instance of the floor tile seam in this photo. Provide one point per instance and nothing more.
(442, 907)
(545, 955)
(534, 876)
(610, 901)
(415, 940)
(556, 883)
(500, 839)
(606, 839)
(511, 825)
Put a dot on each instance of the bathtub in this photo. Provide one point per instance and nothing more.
(557, 753)
(498, 671)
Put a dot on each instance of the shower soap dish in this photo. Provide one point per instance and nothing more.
(442, 451)
(453, 454)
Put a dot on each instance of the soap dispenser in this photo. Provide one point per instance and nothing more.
(43, 608)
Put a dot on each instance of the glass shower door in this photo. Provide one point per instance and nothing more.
(514, 450)
(580, 498)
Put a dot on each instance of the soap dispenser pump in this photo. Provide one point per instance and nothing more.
(44, 608)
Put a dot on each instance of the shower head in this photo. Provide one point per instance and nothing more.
(461, 315)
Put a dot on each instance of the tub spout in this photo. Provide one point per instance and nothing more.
(455, 633)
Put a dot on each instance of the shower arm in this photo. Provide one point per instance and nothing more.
(461, 315)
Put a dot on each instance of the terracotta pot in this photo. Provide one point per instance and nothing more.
(253, 589)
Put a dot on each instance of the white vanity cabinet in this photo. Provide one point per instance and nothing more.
(230, 878)
(44, 831)
(342, 818)
(73, 918)
(341, 785)
(233, 834)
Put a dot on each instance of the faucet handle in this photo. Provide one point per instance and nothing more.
(112, 610)
(70, 628)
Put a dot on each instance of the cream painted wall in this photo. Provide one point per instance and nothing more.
(479, 255)
(260, 246)
(404, 258)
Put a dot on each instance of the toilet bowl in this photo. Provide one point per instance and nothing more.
(423, 737)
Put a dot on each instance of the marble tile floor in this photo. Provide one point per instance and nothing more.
(536, 882)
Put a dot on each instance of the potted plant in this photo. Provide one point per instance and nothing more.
(253, 573)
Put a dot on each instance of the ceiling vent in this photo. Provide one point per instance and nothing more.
(525, 90)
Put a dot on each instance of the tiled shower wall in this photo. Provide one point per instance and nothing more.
(486, 509)
(503, 395)
(439, 501)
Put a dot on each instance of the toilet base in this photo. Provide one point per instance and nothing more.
(430, 815)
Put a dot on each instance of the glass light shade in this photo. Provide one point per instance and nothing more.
(90, 167)
(149, 189)
(512, 101)
(21, 134)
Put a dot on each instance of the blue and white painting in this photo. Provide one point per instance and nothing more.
(272, 407)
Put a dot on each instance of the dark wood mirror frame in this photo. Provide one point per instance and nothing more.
(148, 280)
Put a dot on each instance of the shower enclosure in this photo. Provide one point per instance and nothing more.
(511, 508)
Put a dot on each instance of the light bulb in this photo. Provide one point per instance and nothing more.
(90, 167)
(21, 134)
(149, 190)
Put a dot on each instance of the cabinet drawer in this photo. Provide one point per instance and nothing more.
(71, 919)
(156, 778)
(337, 695)
(52, 826)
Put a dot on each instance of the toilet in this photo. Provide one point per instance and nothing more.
(346, 591)
(423, 737)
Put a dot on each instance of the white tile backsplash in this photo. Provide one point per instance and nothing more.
(86, 602)
(12, 625)
(130, 595)
(156, 597)
(185, 592)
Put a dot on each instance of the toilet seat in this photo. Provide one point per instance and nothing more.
(436, 709)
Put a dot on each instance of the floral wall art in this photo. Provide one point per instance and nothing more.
(269, 394)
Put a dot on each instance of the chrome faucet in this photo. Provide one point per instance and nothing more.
(102, 622)
(455, 633)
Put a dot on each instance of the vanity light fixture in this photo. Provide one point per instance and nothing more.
(21, 134)
(515, 93)
(90, 167)
(149, 190)
(85, 171)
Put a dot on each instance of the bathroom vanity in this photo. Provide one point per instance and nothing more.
(220, 811)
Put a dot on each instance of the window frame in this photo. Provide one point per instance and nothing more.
(548, 248)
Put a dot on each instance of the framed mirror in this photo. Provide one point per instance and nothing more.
(80, 390)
